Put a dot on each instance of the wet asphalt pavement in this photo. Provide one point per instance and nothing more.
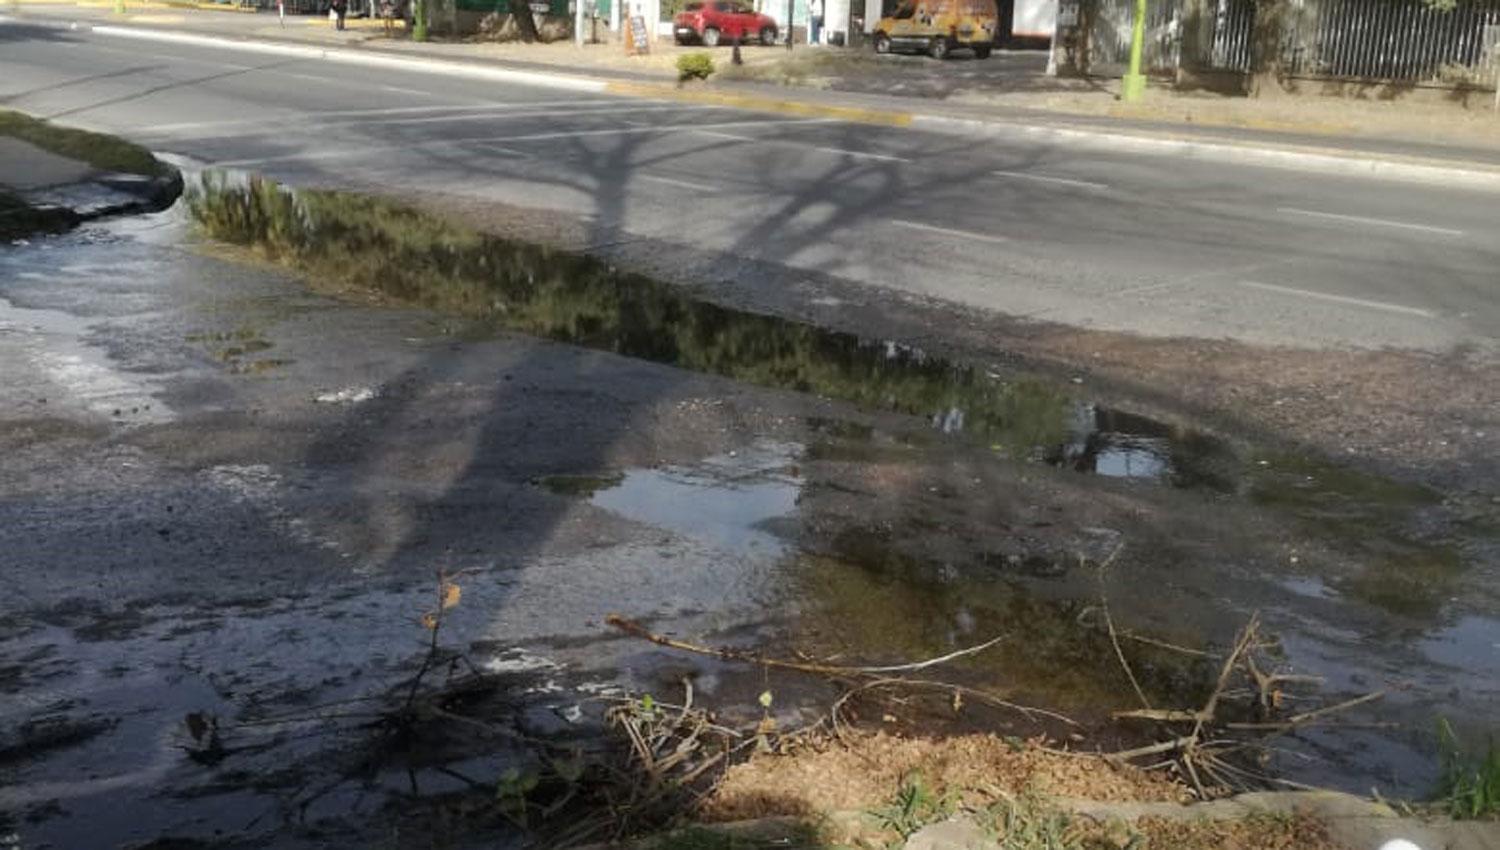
(227, 496)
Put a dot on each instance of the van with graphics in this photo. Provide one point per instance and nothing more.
(936, 27)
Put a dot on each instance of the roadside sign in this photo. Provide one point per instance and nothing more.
(637, 37)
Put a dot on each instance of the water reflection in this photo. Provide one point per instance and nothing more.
(344, 238)
(1117, 444)
(726, 501)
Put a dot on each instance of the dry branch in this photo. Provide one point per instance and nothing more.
(635, 629)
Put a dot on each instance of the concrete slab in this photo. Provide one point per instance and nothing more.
(25, 167)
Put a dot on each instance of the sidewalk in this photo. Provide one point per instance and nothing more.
(1405, 140)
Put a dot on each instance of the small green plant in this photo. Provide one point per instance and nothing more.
(1028, 822)
(1470, 787)
(914, 807)
(694, 66)
(511, 793)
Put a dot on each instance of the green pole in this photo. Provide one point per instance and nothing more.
(119, 7)
(419, 20)
(1134, 83)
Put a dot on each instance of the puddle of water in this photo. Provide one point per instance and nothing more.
(1472, 645)
(726, 501)
(339, 238)
(55, 344)
(866, 602)
(1117, 444)
(733, 503)
(1404, 571)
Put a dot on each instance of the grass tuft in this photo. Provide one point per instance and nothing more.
(1471, 785)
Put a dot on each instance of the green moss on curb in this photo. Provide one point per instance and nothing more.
(104, 152)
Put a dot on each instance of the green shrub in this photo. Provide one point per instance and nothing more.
(694, 66)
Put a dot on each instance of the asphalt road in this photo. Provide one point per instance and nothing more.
(1129, 242)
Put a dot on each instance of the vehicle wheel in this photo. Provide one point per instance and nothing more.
(882, 43)
(711, 37)
(768, 36)
(938, 49)
(982, 51)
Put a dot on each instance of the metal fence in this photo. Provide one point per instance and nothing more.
(1109, 36)
(1404, 40)
(1376, 40)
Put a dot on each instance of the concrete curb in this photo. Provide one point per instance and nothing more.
(1465, 175)
(1324, 160)
(62, 207)
(107, 194)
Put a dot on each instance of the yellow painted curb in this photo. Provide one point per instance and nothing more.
(762, 104)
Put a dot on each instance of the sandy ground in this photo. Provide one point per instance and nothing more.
(866, 772)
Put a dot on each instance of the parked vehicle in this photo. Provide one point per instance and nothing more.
(938, 26)
(713, 22)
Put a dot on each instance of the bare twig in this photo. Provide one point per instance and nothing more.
(1151, 750)
(1109, 623)
(1161, 644)
(1307, 717)
(635, 629)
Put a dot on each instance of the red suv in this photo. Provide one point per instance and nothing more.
(714, 21)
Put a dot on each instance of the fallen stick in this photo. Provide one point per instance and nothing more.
(972, 693)
(635, 629)
(1162, 715)
(1152, 749)
(1307, 717)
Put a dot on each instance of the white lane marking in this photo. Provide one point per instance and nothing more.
(528, 137)
(1047, 178)
(885, 157)
(836, 151)
(400, 90)
(1342, 299)
(510, 152)
(682, 184)
(394, 110)
(1144, 289)
(733, 136)
(947, 231)
(1380, 222)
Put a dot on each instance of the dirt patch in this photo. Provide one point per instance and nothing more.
(868, 769)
